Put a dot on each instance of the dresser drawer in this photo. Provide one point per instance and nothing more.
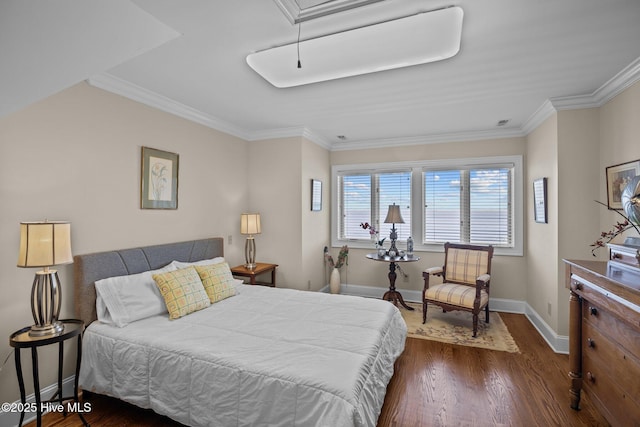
(603, 357)
(621, 332)
(625, 255)
(614, 404)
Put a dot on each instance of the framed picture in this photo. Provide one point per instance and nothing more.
(618, 176)
(159, 179)
(540, 200)
(316, 195)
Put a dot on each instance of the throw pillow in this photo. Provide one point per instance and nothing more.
(217, 280)
(182, 291)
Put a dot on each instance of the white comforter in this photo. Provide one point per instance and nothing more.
(267, 357)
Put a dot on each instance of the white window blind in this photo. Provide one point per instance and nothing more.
(366, 196)
(469, 205)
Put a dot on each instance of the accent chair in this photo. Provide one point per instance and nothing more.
(466, 275)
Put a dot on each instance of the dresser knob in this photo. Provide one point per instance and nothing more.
(591, 377)
(591, 343)
(577, 285)
(593, 311)
(616, 255)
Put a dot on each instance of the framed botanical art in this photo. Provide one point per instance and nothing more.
(540, 200)
(618, 176)
(159, 179)
(316, 195)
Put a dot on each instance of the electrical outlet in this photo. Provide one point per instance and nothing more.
(549, 308)
(230, 239)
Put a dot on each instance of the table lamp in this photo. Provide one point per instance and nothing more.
(250, 225)
(393, 217)
(45, 244)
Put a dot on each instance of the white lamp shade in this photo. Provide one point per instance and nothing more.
(393, 215)
(45, 243)
(250, 223)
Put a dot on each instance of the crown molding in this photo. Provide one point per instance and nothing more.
(614, 86)
(429, 139)
(605, 93)
(290, 132)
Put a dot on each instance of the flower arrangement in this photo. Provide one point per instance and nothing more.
(372, 232)
(343, 257)
(619, 228)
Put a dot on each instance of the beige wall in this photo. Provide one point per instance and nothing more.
(505, 268)
(275, 192)
(542, 239)
(315, 224)
(578, 141)
(76, 156)
(292, 236)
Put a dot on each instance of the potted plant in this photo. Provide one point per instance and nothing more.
(334, 278)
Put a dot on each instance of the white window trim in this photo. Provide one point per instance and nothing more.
(418, 195)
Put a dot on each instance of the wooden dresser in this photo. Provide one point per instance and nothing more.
(604, 338)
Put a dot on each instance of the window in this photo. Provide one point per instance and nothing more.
(366, 196)
(468, 206)
(476, 201)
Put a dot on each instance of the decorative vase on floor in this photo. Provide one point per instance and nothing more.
(334, 281)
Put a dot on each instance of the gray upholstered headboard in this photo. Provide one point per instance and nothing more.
(92, 267)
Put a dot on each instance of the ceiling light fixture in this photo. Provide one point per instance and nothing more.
(413, 40)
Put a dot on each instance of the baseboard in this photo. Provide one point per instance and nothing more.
(558, 343)
(11, 419)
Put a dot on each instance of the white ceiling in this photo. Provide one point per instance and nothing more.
(188, 57)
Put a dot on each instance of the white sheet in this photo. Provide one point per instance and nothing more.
(275, 357)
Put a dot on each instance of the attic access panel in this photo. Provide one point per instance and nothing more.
(298, 11)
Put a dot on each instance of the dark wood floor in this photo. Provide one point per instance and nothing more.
(437, 384)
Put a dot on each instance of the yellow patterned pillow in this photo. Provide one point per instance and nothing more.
(182, 291)
(217, 280)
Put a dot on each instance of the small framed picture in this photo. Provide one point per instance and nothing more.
(316, 195)
(159, 179)
(540, 200)
(618, 176)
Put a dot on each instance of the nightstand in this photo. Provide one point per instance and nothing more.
(260, 268)
(21, 339)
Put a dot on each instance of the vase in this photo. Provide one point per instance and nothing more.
(334, 281)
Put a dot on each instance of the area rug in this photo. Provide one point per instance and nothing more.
(456, 327)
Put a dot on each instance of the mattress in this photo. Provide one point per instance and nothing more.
(267, 356)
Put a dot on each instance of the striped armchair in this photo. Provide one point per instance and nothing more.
(465, 281)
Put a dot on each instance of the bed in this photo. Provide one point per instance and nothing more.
(265, 356)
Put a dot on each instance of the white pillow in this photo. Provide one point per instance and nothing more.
(179, 264)
(121, 300)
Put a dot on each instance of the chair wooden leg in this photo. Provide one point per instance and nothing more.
(424, 312)
(486, 311)
(475, 325)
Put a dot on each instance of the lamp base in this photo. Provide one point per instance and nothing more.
(45, 304)
(250, 253)
(45, 330)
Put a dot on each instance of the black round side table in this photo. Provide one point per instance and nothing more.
(21, 339)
